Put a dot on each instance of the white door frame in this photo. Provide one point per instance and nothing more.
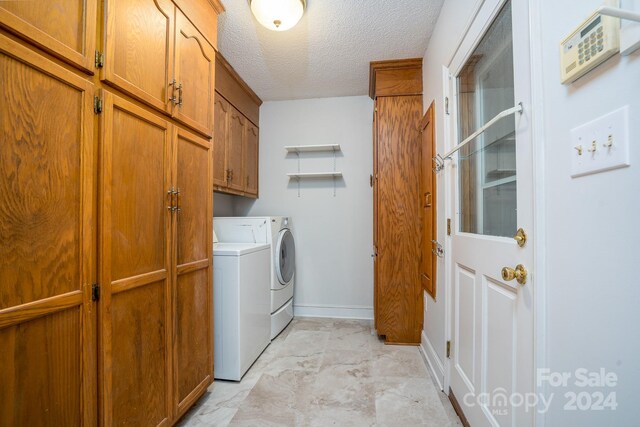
(537, 237)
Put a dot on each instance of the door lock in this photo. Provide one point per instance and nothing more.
(520, 274)
(521, 237)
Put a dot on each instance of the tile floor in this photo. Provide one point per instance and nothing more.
(323, 372)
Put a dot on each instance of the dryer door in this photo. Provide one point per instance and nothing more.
(286, 260)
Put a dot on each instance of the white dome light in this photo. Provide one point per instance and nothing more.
(278, 15)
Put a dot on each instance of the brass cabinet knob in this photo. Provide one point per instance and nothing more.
(520, 274)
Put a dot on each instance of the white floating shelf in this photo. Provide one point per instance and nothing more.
(314, 175)
(308, 148)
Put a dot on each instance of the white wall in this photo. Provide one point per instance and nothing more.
(334, 268)
(591, 255)
(592, 233)
(223, 204)
(454, 16)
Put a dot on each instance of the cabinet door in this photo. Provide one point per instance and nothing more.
(47, 249)
(65, 28)
(195, 76)
(251, 160)
(193, 342)
(139, 49)
(235, 146)
(399, 234)
(135, 268)
(221, 113)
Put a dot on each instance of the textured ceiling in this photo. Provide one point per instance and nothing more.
(328, 52)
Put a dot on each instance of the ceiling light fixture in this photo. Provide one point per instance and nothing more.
(278, 15)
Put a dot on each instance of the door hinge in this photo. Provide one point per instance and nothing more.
(97, 105)
(99, 59)
(448, 349)
(448, 226)
(446, 105)
(95, 292)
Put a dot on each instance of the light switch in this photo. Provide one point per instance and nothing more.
(601, 144)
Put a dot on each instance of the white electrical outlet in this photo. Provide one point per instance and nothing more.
(601, 145)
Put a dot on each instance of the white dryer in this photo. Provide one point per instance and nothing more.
(275, 230)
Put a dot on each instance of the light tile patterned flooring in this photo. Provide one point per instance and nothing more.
(324, 372)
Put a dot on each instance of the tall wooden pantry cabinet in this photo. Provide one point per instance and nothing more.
(106, 206)
(396, 88)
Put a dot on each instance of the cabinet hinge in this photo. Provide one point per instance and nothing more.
(448, 226)
(99, 59)
(95, 292)
(97, 105)
(448, 349)
(446, 105)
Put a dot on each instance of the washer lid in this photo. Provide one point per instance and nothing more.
(237, 249)
(286, 262)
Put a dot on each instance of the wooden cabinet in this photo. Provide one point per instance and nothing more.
(236, 139)
(250, 158)
(193, 274)
(156, 266)
(155, 54)
(428, 192)
(107, 207)
(195, 77)
(47, 230)
(235, 143)
(64, 28)
(138, 49)
(397, 201)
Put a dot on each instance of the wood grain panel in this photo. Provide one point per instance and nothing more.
(193, 346)
(65, 28)
(138, 48)
(195, 73)
(235, 148)
(230, 85)
(47, 255)
(204, 15)
(428, 191)
(139, 349)
(221, 114)
(395, 78)
(41, 371)
(375, 220)
(193, 283)
(399, 218)
(250, 166)
(192, 169)
(136, 322)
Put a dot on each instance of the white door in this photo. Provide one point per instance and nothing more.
(491, 366)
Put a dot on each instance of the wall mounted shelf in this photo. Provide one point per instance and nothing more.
(311, 148)
(314, 175)
(327, 148)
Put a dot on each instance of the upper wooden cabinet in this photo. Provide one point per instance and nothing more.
(138, 49)
(236, 141)
(154, 52)
(250, 158)
(195, 77)
(64, 28)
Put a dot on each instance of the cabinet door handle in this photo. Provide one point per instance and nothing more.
(178, 209)
(179, 95)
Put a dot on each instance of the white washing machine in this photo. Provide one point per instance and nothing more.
(275, 230)
(242, 308)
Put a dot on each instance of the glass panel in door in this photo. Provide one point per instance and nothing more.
(487, 165)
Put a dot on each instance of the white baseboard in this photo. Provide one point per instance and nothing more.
(432, 360)
(335, 311)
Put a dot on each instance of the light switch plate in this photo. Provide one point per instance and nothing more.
(601, 145)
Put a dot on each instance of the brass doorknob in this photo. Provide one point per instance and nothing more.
(520, 274)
